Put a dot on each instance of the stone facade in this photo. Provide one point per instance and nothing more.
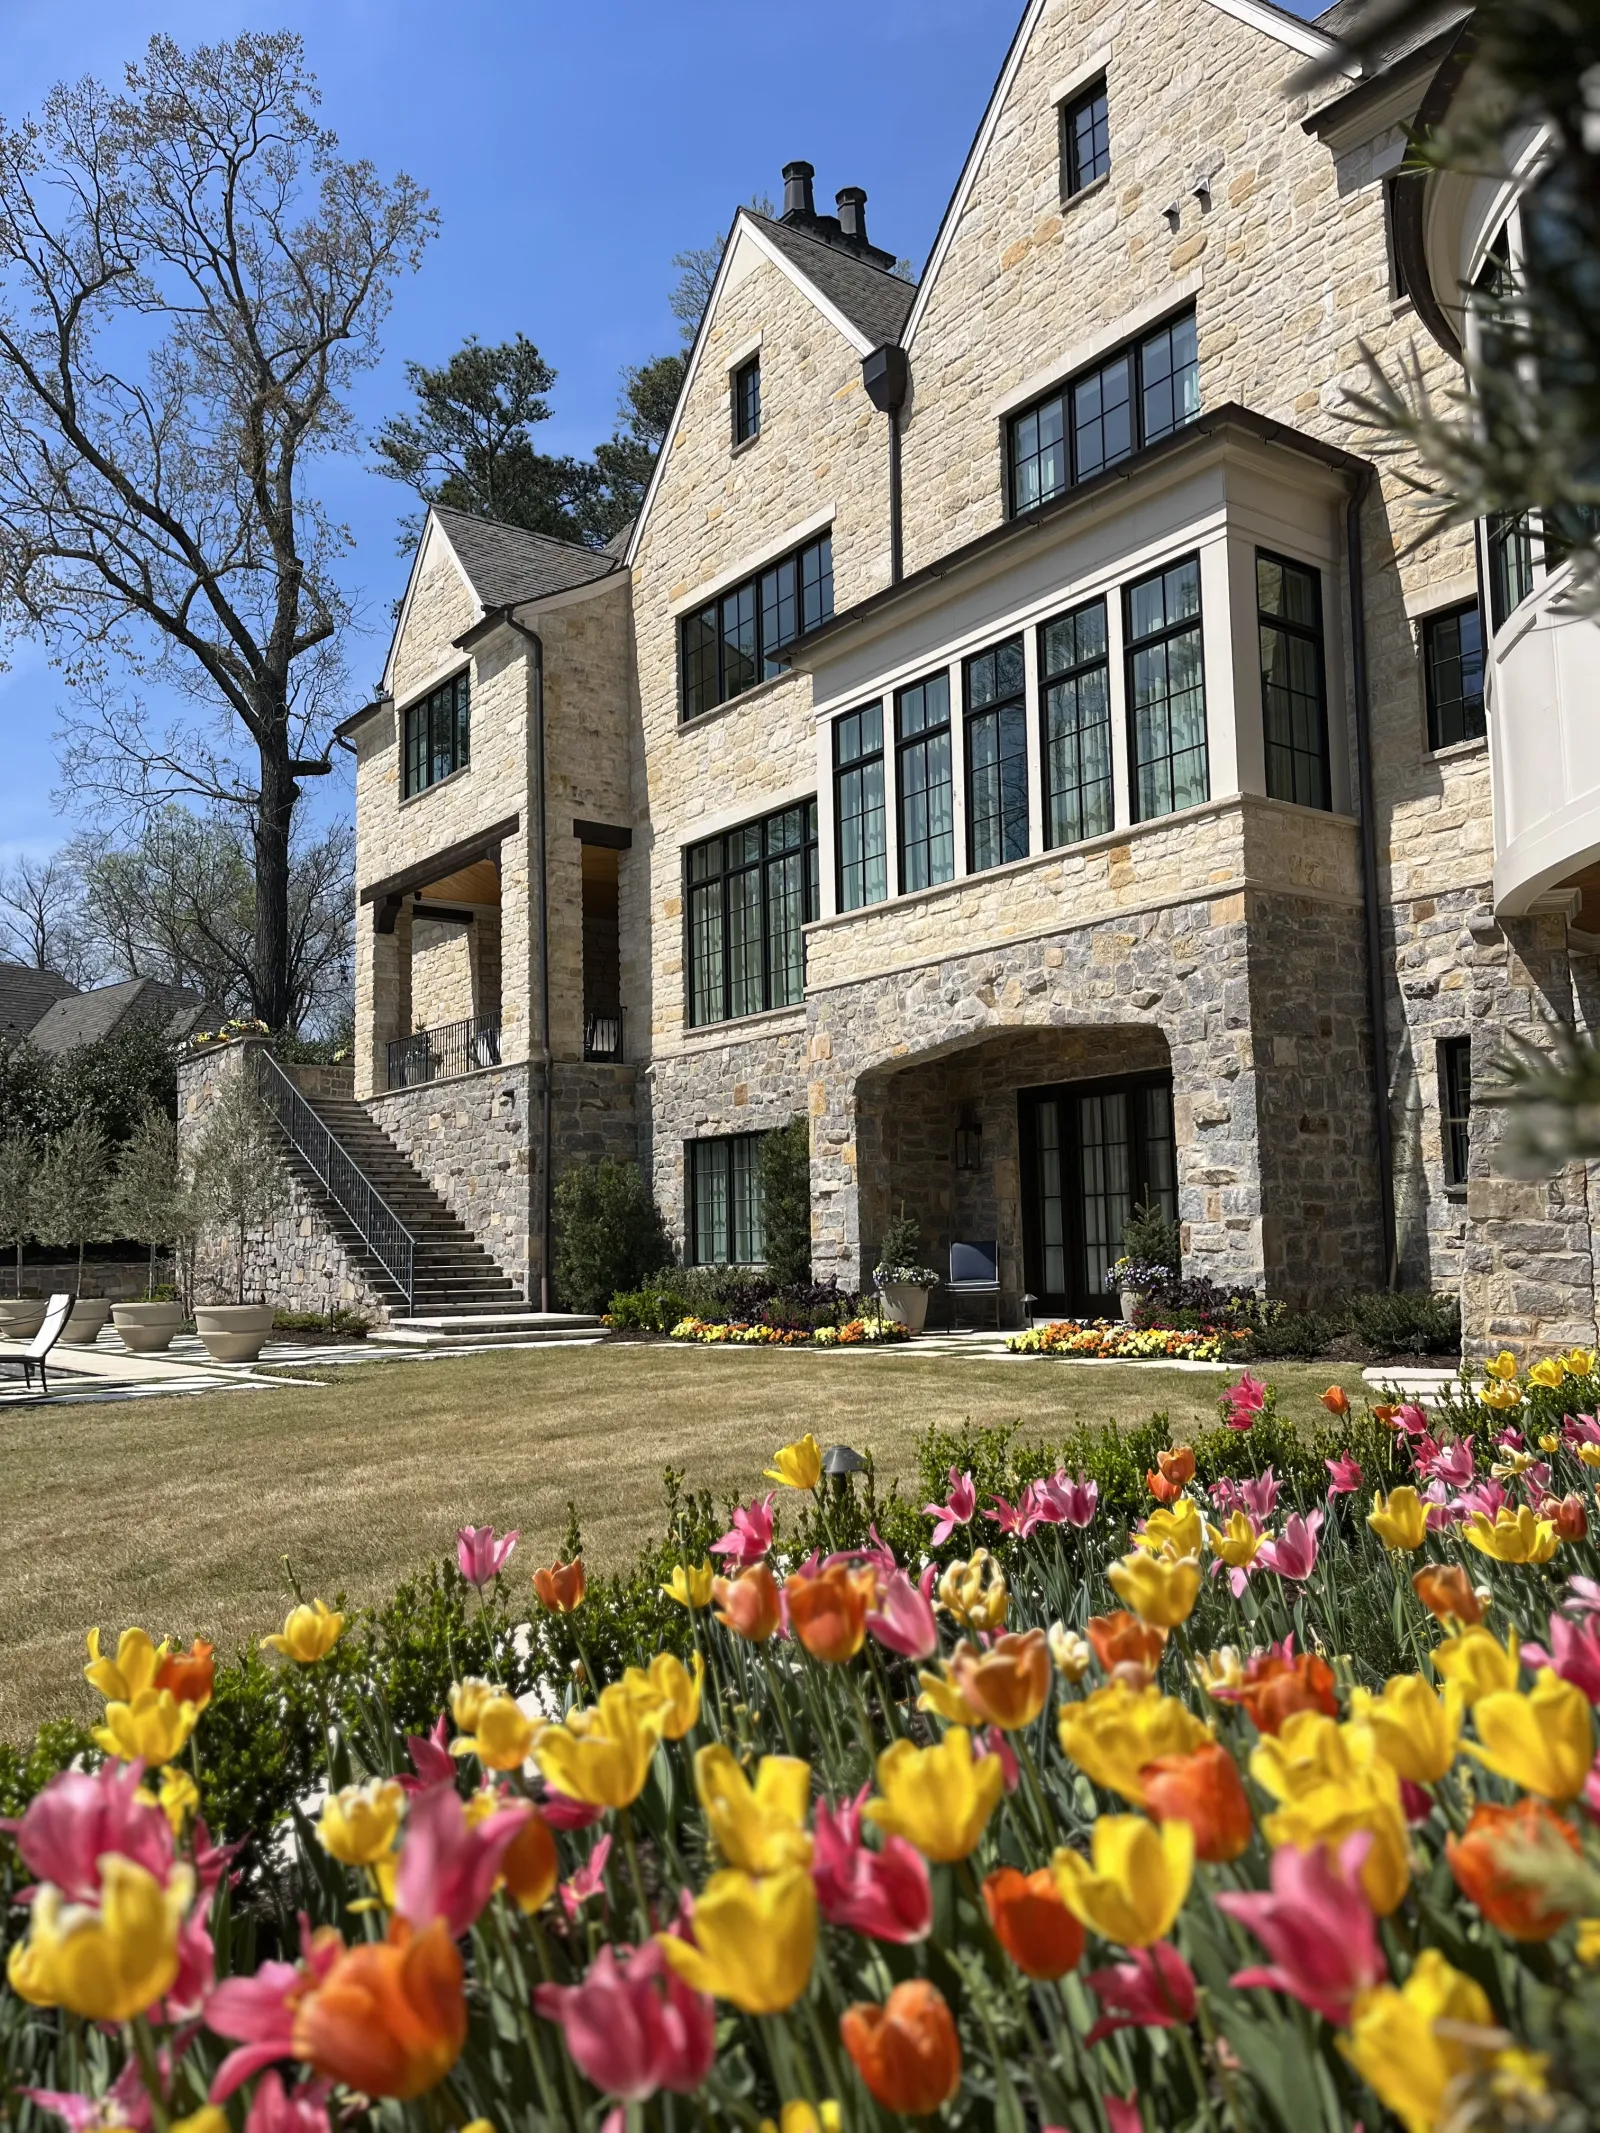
(475, 1139)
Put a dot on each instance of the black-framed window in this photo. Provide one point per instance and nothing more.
(437, 734)
(1085, 139)
(1091, 1152)
(1294, 708)
(725, 1226)
(747, 400)
(1509, 539)
(1455, 1107)
(1166, 690)
(1397, 272)
(747, 894)
(925, 784)
(732, 642)
(1075, 684)
(861, 831)
(1131, 398)
(1452, 667)
(997, 756)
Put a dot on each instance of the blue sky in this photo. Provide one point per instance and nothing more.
(571, 151)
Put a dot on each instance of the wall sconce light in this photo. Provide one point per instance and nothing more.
(969, 1144)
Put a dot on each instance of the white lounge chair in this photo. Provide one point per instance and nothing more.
(57, 1312)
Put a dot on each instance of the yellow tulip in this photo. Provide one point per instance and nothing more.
(939, 1798)
(1406, 2044)
(1112, 1734)
(1478, 1662)
(1502, 1366)
(107, 1965)
(691, 1585)
(1417, 1728)
(210, 2118)
(1519, 1536)
(1156, 1588)
(119, 1680)
(1589, 1454)
(1367, 1798)
(308, 1634)
(1543, 1741)
(1237, 1544)
(602, 1754)
(359, 1824)
(178, 1797)
(942, 1696)
(1135, 1886)
(1399, 1519)
(502, 1735)
(1220, 1670)
(797, 1466)
(1502, 1398)
(1579, 1362)
(1069, 1653)
(797, 2116)
(754, 1939)
(1308, 1750)
(975, 1592)
(1548, 1373)
(1176, 1530)
(1550, 1443)
(758, 1828)
(672, 1685)
(152, 1729)
(1588, 1948)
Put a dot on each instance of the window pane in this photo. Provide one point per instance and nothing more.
(927, 799)
(746, 987)
(1102, 418)
(1452, 650)
(997, 757)
(709, 1191)
(1107, 1201)
(1038, 455)
(706, 974)
(1086, 139)
(1160, 1182)
(1455, 1107)
(746, 401)
(816, 570)
(1292, 709)
(698, 640)
(1169, 368)
(738, 640)
(1166, 691)
(780, 612)
(746, 1238)
(1077, 697)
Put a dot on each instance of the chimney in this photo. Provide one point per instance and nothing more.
(797, 198)
(852, 205)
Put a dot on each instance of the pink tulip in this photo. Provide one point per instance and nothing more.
(1018, 1518)
(1591, 1790)
(271, 2111)
(125, 2103)
(1226, 1496)
(1294, 1553)
(1536, 1480)
(1316, 1925)
(1488, 1497)
(448, 1869)
(1583, 1596)
(1244, 1401)
(1154, 1989)
(1344, 1475)
(1416, 1802)
(562, 1813)
(1574, 1654)
(957, 1512)
(1260, 1495)
(79, 1817)
(751, 1533)
(903, 1620)
(430, 1757)
(1452, 1463)
(1123, 2114)
(589, 1880)
(1444, 1510)
(1509, 1439)
(258, 2012)
(1409, 1420)
(1581, 1429)
(482, 1557)
(884, 1894)
(633, 2027)
(1059, 1501)
(992, 1741)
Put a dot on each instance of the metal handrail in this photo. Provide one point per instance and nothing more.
(454, 1048)
(374, 1220)
(602, 1035)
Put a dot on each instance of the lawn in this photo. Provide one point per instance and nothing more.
(177, 1513)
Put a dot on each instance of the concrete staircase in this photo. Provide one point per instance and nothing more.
(502, 1329)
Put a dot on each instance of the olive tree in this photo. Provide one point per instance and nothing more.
(19, 1160)
(149, 1198)
(238, 1175)
(74, 1182)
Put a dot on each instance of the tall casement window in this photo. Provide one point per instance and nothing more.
(997, 757)
(1142, 393)
(1075, 681)
(1293, 689)
(1085, 139)
(1166, 690)
(436, 735)
(747, 896)
(732, 642)
(747, 401)
(1455, 1107)
(1452, 667)
(724, 1180)
(924, 789)
(861, 827)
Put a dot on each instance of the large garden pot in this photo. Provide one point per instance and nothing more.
(147, 1328)
(1131, 1300)
(83, 1327)
(233, 1333)
(906, 1303)
(21, 1317)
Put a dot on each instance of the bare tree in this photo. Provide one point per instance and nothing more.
(41, 918)
(190, 278)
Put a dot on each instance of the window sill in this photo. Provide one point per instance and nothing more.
(1457, 749)
(1069, 201)
(734, 703)
(746, 444)
(410, 799)
(710, 1036)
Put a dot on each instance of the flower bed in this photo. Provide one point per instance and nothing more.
(1113, 1340)
(1255, 1790)
(857, 1332)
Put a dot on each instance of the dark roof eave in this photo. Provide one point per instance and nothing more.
(1374, 88)
(503, 615)
(348, 725)
(1230, 416)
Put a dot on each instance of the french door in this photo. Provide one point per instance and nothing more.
(1091, 1153)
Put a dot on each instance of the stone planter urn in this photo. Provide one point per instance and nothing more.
(21, 1317)
(83, 1328)
(906, 1302)
(147, 1328)
(1131, 1300)
(233, 1333)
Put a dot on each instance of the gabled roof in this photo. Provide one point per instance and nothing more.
(506, 564)
(26, 996)
(874, 301)
(85, 1016)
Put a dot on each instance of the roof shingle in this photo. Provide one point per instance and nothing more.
(506, 564)
(876, 303)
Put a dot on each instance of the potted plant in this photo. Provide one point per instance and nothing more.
(899, 1277)
(20, 1316)
(73, 1179)
(148, 1203)
(238, 1184)
(1151, 1256)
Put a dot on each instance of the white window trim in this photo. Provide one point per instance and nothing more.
(1097, 63)
(1099, 343)
(741, 353)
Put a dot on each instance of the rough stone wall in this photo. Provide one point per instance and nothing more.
(744, 1081)
(594, 1114)
(475, 1138)
(122, 1280)
(444, 979)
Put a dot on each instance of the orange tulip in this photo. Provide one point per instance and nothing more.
(1273, 1689)
(189, 1675)
(389, 2019)
(1176, 1464)
(907, 2051)
(1121, 1639)
(1005, 1686)
(1031, 1923)
(560, 1588)
(1336, 1400)
(1486, 1877)
(1567, 1514)
(749, 1604)
(1202, 1789)
(1446, 1591)
(530, 1866)
(1163, 1490)
(828, 1612)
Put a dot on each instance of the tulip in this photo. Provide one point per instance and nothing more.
(1276, 1684)
(797, 1466)
(1177, 1531)
(1031, 1923)
(389, 2019)
(1316, 1927)
(975, 1592)
(1336, 1400)
(1574, 1654)
(1241, 1403)
(754, 1939)
(1157, 1589)
(1236, 1547)
(529, 1864)
(560, 1589)
(1177, 1464)
(258, 2012)
(1114, 1733)
(359, 1825)
(601, 1754)
(907, 2051)
(1220, 1673)
(1294, 1553)
(798, 2116)
(1069, 1653)
(1502, 1367)
(453, 1855)
(828, 1610)
(903, 1618)
(1543, 1742)
(757, 1828)
(633, 2027)
(1122, 1640)
(125, 2104)
(81, 1816)
(691, 1585)
(151, 1729)
(1153, 1989)
(1480, 1664)
(1059, 1501)
(1006, 1685)
(1335, 1786)
(1513, 1536)
(1399, 1519)
(750, 1536)
(1259, 1495)
(1417, 1729)
(673, 1688)
(750, 1604)
(939, 1798)
(1485, 1863)
(479, 1556)
(1309, 1750)
(109, 1964)
(308, 1633)
(1163, 1490)
(135, 1667)
(271, 2110)
(1203, 1789)
(189, 1675)
(502, 1735)
(957, 1512)
(1344, 1475)
(1019, 1520)
(884, 1894)
(1446, 1592)
(1137, 1881)
(1408, 2045)
(1569, 1516)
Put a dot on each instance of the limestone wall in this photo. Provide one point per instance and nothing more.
(474, 1138)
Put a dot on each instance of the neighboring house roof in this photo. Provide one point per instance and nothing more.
(506, 565)
(26, 996)
(1347, 15)
(875, 301)
(84, 1017)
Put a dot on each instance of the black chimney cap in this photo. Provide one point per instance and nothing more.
(797, 196)
(851, 201)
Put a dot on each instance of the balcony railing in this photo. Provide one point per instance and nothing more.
(602, 1035)
(1542, 683)
(455, 1048)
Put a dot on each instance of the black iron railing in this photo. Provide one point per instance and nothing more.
(373, 1219)
(602, 1035)
(456, 1048)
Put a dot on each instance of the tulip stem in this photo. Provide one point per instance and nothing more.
(542, 1950)
(150, 2068)
(626, 1820)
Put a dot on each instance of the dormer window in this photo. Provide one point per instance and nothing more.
(747, 401)
(1085, 139)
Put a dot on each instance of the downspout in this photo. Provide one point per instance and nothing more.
(1377, 1009)
(541, 870)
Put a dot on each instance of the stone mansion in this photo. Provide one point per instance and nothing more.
(1021, 734)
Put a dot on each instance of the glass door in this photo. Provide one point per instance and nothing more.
(1091, 1153)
